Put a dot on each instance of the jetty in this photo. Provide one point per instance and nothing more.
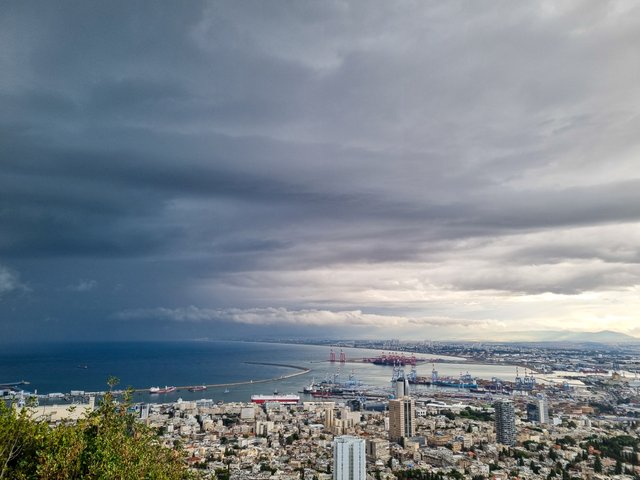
(300, 371)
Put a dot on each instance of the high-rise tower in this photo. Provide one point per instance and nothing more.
(505, 422)
(349, 461)
(402, 418)
(402, 387)
(538, 410)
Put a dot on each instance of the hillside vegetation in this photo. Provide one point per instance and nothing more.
(108, 444)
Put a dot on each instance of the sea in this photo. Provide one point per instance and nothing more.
(57, 367)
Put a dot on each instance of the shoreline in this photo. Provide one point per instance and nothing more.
(301, 371)
(461, 361)
(424, 358)
(156, 396)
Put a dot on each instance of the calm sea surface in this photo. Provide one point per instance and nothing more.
(61, 367)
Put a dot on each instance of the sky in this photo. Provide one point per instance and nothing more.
(371, 169)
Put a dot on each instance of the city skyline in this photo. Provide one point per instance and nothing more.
(337, 169)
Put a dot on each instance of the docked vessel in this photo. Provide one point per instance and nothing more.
(454, 383)
(309, 389)
(323, 393)
(393, 359)
(464, 381)
(158, 390)
(334, 388)
(286, 399)
(199, 388)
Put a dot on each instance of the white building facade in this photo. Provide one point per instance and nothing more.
(349, 461)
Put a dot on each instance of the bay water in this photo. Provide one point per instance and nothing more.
(87, 366)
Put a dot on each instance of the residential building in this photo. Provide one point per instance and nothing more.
(505, 422)
(402, 419)
(538, 410)
(349, 461)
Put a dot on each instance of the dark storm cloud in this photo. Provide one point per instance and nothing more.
(316, 156)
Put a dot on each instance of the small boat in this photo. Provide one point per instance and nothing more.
(158, 390)
(226, 390)
(199, 388)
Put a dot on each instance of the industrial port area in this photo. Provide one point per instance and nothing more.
(567, 413)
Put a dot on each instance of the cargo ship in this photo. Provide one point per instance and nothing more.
(393, 359)
(157, 390)
(286, 399)
(334, 388)
(199, 388)
(465, 381)
(455, 383)
(323, 394)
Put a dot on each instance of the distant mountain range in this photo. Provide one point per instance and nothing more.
(603, 336)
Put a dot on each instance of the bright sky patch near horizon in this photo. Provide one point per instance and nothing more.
(424, 170)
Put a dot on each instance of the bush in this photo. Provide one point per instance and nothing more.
(108, 443)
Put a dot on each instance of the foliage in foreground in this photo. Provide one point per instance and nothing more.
(107, 444)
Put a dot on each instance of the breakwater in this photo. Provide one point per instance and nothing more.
(300, 371)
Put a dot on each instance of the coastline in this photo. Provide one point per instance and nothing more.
(301, 371)
(451, 360)
(302, 361)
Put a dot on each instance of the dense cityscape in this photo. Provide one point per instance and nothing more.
(319, 240)
(572, 413)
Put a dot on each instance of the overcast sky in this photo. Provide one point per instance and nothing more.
(406, 169)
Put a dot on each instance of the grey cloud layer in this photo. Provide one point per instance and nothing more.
(279, 316)
(334, 156)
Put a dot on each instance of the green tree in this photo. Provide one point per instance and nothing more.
(20, 440)
(597, 464)
(449, 414)
(108, 443)
(119, 447)
(534, 468)
(61, 457)
(618, 469)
